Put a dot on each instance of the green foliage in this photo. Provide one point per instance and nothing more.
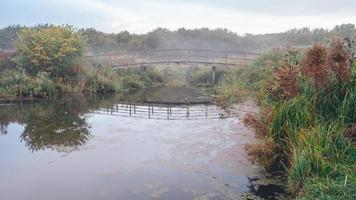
(8, 36)
(203, 75)
(102, 80)
(135, 79)
(15, 83)
(52, 49)
(319, 151)
(329, 188)
(314, 129)
(236, 82)
(288, 117)
(338, 102)
(18, 84)
(152, 77)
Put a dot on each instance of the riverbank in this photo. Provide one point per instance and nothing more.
(306, 122)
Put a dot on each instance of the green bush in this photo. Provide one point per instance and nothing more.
(52, 49)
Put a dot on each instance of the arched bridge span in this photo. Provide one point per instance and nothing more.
(175, 56)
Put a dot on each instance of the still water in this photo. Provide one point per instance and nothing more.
(70, 149)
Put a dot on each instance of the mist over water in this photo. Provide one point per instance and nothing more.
(67, 145)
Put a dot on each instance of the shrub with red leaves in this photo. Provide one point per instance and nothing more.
(314, 66)
(285, 82)
(338, 59)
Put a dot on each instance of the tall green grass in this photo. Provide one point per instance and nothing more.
(311, 131)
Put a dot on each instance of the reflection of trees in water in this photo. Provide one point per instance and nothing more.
(3, 129)
(60, 124)
(55, 126)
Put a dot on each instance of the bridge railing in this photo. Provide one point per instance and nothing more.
(176, 55)
(199, 55)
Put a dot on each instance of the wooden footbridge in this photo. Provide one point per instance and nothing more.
(175, 56)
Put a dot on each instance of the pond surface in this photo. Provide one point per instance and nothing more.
(69, 149)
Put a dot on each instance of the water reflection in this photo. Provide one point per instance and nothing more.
(121, 157)
(57, 124)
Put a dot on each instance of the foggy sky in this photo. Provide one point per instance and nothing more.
(140, 16)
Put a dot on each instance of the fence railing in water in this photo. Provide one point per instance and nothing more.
(167, 112)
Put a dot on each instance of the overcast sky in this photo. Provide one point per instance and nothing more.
(140, 16)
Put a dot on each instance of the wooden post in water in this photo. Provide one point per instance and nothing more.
(167, 112)
(130, 110)
(149, 112)
(187, 112)
(213, 74)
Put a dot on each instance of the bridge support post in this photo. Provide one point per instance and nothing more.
(143, 68)
(213, 74)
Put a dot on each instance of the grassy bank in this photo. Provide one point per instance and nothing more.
(48, 62)
(18, 84)
(307, 119)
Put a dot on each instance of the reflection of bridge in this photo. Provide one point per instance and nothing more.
(176, 56)
(168, 112)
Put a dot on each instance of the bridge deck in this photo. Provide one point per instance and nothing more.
(120, 66)
(176, 56)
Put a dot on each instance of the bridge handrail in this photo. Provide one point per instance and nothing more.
(184, 50)
(209, 50)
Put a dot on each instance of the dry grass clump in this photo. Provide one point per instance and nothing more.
(251, 120)
(231, 94)
(285, 82)
(259, 123)
(263, 153)
(314, 66)
(338, 59)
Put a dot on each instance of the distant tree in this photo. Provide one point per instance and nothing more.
(52, 49)
(344, 30)
(8, 35)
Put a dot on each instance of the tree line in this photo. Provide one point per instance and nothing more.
(202, 38)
